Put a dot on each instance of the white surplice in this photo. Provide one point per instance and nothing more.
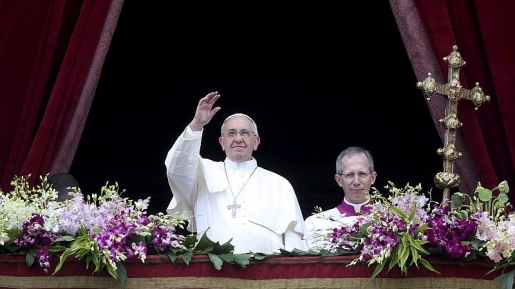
(320, 226)
(268, 217)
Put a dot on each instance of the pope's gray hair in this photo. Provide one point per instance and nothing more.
(254, 125)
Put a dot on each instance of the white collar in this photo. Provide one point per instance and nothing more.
(248, 165)
(357, 207)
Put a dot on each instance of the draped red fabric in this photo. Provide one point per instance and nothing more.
(329, 272)
(47, 54)
(482, 31)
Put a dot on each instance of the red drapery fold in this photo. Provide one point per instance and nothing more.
(51, 54)
(482, 31)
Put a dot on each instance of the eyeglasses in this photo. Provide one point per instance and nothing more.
(350, 176)
(243, 134)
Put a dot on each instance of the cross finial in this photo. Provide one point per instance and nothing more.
(454, 92)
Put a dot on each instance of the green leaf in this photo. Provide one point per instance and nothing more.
(261, 256)
(121, 272)
(505, 281)
(503, 198)
(29, 258)
(95, 230)
(504, 187)
(421, 227)
(413, 211)
(484, 194)
(225, 248)
(394, 258)
(190, 241)
(172, 257)
(458, 199)
(63, 258)
(186, 257)
(298, 251)
(378, 269)
(392, 263)
(417, 244)
(414, 256)
(216, 260)
(283, 252)
(363, 229)
(56, 249)
(403, 251)
(242, 259)
(500, 266)
(112, 272)
(65, 238)
(427, 265)
(399, 212)
(229, 257)
(205, 245)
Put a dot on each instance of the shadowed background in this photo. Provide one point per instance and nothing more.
(312, 90)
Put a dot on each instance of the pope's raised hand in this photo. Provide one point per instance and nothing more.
(205, 111)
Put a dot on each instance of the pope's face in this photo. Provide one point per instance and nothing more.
(356, 178)
(239, 139)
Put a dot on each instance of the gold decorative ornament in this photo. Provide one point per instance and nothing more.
(453, 90)
(447, 180)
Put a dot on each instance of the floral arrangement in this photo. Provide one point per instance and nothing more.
(401, 230)
(34, 223)
(406, 226)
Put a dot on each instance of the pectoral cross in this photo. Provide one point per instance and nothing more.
(233, 207)
(454, 92)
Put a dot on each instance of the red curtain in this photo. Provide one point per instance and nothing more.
(51, 56)
(483, 32)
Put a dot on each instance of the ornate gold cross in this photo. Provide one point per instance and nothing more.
(448, 179)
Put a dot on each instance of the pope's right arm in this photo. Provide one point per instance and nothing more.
(183, 158)
(181, 163)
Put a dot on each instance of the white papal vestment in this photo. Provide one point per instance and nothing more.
(267, 217)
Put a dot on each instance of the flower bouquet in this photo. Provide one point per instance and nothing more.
(104, 229)
(406, 226)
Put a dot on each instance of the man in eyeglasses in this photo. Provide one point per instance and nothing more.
(232, 200)
(355, 174)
